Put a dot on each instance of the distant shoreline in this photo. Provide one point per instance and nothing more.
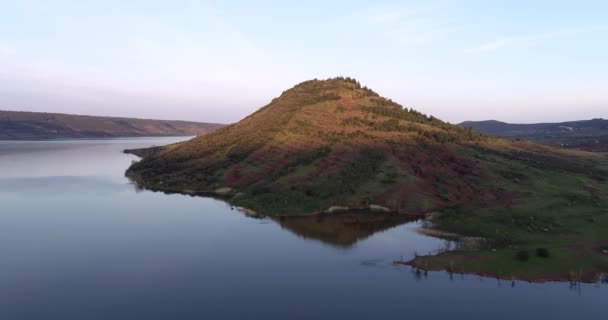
(39, 126)
(93, 138)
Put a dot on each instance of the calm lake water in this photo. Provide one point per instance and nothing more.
(77, 241)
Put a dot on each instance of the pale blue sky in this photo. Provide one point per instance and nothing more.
(517, 61)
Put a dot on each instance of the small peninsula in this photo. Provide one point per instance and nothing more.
(332, 145)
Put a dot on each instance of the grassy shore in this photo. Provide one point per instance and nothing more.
(557, 232)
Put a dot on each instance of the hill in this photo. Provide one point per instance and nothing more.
(17, 125)
(322, 144)
(590, 135)
(334, 145)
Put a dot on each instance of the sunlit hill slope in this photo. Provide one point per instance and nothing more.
(325, 144)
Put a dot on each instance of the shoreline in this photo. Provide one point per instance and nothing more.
(479, 261)
(227, 193)
(419, 262)
(592, 276)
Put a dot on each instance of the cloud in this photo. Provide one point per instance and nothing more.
(520, 40)
(42, 8)
(516, 41)
(405, 25)
(389, 14)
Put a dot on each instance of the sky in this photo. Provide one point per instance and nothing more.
(218, 61)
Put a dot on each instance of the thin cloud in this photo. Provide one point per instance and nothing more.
(42, 7)
(406, 25)
(520, 40)
(389, 14)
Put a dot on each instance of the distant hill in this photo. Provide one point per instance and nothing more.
(591, 135)
(17, 125)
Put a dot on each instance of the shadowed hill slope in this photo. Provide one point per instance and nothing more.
(334, 143)
(16, 125)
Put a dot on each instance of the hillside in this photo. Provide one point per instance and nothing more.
(326, 143)
(590, 135)
(16, 125)
(336, 143)
(333, 145)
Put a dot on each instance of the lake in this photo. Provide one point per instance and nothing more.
(78, 241)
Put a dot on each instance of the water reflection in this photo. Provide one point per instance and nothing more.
(572, 286)
(341, 229)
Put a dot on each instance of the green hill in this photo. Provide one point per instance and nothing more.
(323, 144)
(17, 125)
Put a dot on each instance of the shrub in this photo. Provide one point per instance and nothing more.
(522, 255)
(542, 253)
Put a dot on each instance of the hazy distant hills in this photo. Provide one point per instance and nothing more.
(591, 135)
(17, 125)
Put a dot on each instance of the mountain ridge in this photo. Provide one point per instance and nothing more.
(590, 135)
(23, 125)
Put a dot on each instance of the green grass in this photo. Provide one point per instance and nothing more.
(555, 211)
(563, 264)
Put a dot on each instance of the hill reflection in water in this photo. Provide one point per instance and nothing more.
(341, 229)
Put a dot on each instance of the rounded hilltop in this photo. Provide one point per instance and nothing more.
(336, 110)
